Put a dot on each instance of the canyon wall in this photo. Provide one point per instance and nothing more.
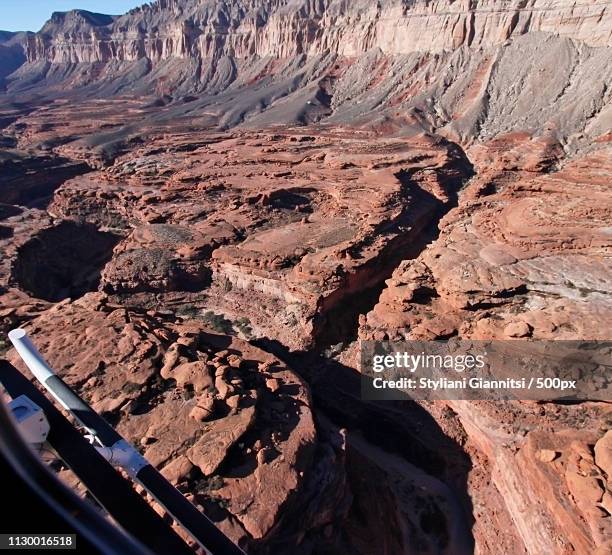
(285, 28)
(12, 53)
(468, 70)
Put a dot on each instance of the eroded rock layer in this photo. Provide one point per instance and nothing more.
(468, 69)
(524, 255)
(205, 205)
(307, 221)
(229, 424)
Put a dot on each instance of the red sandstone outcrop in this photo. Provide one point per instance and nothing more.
(159, 257)
(20, 225)
(30, 179)
(307, 221)
(524, 255)
(521, 256)
(201, 407)
(540, 458)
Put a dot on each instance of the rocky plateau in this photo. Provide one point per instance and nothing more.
(206, 205)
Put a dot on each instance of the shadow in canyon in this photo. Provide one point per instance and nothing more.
(337, 321)
(397, 435)
(30, 180)
(409, 480)
(62, 262)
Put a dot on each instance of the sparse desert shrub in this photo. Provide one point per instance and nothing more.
(188, 311)
(131, 387)
(333, 350)
(243, 325)
(218, 322)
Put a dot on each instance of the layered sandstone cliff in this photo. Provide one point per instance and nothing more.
(465, 68)
(283, 28)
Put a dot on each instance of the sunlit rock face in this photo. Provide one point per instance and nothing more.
(205, 206)
(468, 70)
(280, 29)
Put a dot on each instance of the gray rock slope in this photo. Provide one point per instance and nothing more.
(469, 68)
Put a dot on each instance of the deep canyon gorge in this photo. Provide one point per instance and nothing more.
(206, 205)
